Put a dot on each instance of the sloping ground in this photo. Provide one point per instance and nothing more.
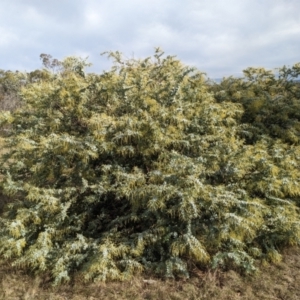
(279, 281)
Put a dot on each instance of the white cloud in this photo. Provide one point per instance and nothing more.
(7, 37)
(92, 19)
(219, 37)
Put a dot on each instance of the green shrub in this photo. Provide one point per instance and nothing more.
(140, 169)
(271, 103)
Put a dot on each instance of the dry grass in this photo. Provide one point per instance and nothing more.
(274, 282)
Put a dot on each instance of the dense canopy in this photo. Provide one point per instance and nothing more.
(149, 167)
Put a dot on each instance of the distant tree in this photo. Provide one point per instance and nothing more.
(12, 82)
(10, 86)
(50, 63)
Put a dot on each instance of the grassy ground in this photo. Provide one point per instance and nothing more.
(279, 281)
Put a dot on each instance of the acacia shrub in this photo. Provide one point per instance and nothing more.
(271, 102)
(140, 169)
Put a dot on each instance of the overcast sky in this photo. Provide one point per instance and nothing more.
(219, 37)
